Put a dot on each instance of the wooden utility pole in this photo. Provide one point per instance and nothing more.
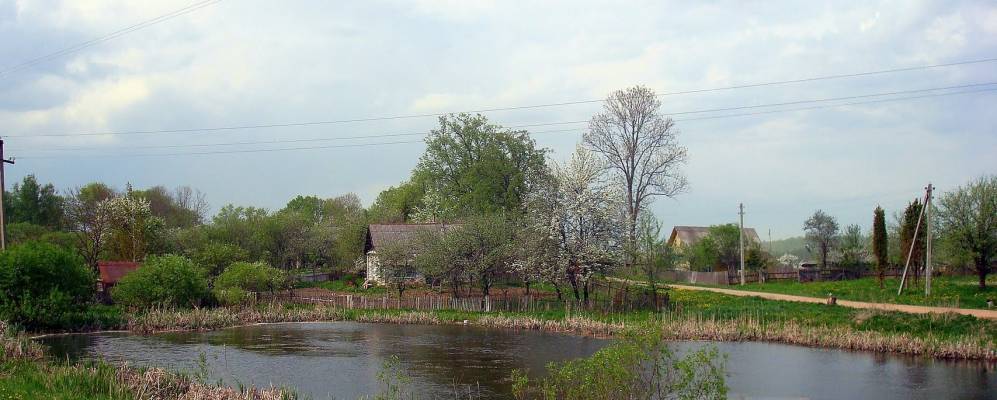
(927, 241)
(3, 188)
(913, 242)
(740, 239)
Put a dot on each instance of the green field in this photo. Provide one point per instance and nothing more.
(946, 291)
(719, 306)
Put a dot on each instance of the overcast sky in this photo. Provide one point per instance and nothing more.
(252, 62)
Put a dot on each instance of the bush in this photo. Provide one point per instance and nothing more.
(162, 281)
(640, 366)
(236, 283)
(41, 285)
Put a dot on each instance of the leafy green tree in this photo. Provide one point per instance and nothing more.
(822, 233)
(42, 285)
(880, 243)
(756, 258)
(473, 167)
(484, 245)
(34, 203)
(249, 228)
(397, 203)
(215, 256)
(967, 218)
(702, 255)
(852, 248)
(240, 280)
(726, 244)
(162, 281)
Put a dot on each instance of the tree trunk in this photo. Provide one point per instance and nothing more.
(982, 271)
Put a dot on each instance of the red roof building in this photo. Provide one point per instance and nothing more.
(112, 271)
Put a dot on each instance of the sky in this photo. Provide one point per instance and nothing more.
(254, 62)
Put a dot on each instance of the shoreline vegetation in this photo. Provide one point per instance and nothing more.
(28, 371)
(813, 325)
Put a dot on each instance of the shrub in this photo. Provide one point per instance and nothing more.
(162, 281)
(236, 283)
(42, 284)
(638, 367)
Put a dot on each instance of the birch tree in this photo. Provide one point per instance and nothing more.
(640, 147)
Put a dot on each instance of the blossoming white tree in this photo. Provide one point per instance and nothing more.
(586, 219)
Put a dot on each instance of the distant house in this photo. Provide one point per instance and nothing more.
(689, 235)
(111, 272)
(379, 235)
(685, 236)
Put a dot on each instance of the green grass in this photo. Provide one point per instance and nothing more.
(720, 306)
(946, 291)
(23, 379)
(347, 284)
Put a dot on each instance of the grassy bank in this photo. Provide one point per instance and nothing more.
(946, 291)
(696, 316)
(26, 373)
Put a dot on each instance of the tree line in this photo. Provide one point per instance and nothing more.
(964, 225)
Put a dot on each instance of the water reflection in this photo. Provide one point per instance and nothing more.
(342, 359)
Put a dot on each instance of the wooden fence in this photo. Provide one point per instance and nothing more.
(733, 277)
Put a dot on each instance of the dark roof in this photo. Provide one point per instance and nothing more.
(379, 234)
(112, 271)
(692, 234)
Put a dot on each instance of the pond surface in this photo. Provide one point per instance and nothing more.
(342, 360)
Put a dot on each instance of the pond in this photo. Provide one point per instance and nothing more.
(342, 360)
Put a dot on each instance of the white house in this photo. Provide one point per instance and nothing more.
(381, 234)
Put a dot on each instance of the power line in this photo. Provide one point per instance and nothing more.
(92, 42)
(278, 141)
(243, 151)
(493, 109)
(421, 133)
(295, 124)
(528, 125)
(854, 103)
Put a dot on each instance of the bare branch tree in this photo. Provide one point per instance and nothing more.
(88, 213)
(192, 201)
(640, 147)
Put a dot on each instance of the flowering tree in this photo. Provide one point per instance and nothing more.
(587, 219)
(789, 260)
(133, 226)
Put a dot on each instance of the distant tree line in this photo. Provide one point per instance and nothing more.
(964, 228)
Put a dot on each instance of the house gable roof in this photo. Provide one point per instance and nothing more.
(689, 235)
(112, 271)
(380, 234)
